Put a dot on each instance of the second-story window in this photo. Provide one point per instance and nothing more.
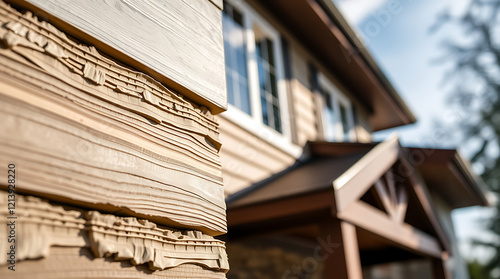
(236, 60)
(338, 120)
(254, 68)
(269, 98)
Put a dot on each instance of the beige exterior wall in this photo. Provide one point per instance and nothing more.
(248, 157)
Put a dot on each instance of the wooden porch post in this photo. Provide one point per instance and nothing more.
(439, 269)
(340, 245)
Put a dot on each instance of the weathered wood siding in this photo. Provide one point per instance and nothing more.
(89, 131)
(60, 242)
(177, 42)
(113, 172)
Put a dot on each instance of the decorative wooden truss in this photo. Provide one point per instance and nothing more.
(376, 169)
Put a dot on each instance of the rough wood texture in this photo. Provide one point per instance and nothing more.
(178, 42)
(42, 225)
(142, 242)
(78, 263)
(88, 131)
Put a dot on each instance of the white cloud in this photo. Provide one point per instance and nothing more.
(357, 10)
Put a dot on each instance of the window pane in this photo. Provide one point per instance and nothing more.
(244, 98)
(328, 100)
(270, 52)
(277, 118)
(272, 86)
(236, 61)
(265, 116)
(230, 91)
(271, 112)
(345, 122)
(330, 119)
(241, 62)
(258, 46)
(227, 57)
(262, 75)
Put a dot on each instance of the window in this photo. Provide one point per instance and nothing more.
(269, 98)
(236, 61)
(338, 121)
(254, 68)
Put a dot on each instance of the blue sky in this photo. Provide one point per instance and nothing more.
(397, 33)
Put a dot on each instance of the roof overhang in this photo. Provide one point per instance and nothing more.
(450, 175)
(322, 29)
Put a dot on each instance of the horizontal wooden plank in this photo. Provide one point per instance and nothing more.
(90, 132)
(234, 166)
(233, 183)
(307, 115)
(43, 225)
(251, 145)
(308, 128)
(179, 43)
(302, 96)
(73, 164)
(76, 262)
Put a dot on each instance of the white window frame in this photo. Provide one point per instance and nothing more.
(337, 99)
(254, 122)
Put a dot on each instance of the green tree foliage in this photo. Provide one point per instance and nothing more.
(476, 270)
(476, 73)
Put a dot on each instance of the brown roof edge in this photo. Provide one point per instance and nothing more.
(477, 184)
(336, 16)
(459, 167)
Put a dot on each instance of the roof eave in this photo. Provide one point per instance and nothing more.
(476, 184)
(360, 47)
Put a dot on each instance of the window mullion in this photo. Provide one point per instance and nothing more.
(236, 88)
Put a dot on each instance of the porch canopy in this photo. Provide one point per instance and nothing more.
(374, 199)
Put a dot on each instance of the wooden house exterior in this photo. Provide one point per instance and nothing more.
(144, 138)
(313, 196)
